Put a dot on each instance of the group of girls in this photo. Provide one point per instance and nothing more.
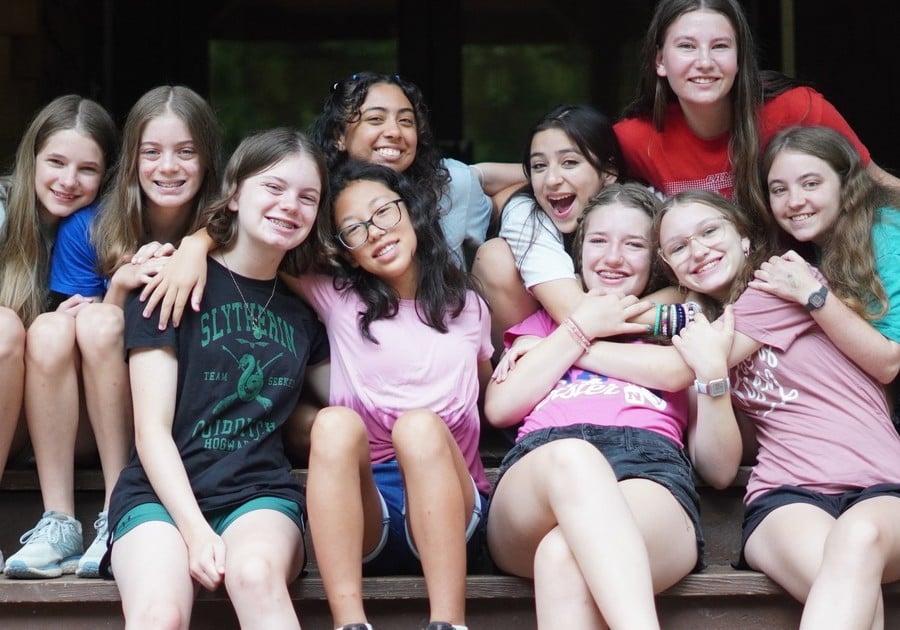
(596, 500)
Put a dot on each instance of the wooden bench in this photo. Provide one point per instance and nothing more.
(718, 597)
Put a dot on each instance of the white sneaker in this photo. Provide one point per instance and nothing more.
(51, 548)
(89, 565)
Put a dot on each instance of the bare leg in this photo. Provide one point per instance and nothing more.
(562, 597)
(12, 384)
(344, 508)
(264, 554)
(440, 497)
(569, 484)
(151, 567)
(99, 330)
(788, 546)
(298, 429)
(52, 406)
(494, 268)
(667, 530)
(862, 551)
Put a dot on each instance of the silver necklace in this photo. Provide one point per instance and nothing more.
(248, 314)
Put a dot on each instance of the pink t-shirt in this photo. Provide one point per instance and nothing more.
(582, 397)
(822, 423)
(412, 367)
(676, 159)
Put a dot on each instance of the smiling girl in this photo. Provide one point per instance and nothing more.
(820, 194)
(571, 156)
(596, 502)
(76, 379)
(822, 504)
(703, 111)
(61, 166)
(396, 484)
(208, 498)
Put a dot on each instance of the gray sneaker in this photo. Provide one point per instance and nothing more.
(89, 565)
(50, 549)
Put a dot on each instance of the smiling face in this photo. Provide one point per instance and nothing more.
(277, 207)
(385, 132)
(387, 253)
(804, 194)
(699, 58)
(170, 170)
(562, 178)
(615, 254)
(68, 171)
(704, 250)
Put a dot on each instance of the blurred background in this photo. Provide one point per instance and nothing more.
(489, 68)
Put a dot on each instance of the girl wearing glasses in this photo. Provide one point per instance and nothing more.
(596, 502)
(395, 481)
(823, 499)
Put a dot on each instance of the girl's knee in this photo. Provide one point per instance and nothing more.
(50, 339)
(12, 336)
(857, 540)
(100, 327)
(552, 553)
(255, 576)
(495, 266)
(158, 615)
(420, 431)
(335, 429)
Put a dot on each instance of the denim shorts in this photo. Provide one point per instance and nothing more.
(396, 553)
(832, 504)
(632, 454)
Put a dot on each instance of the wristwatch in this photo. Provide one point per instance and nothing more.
(816, 299)
(715, 388)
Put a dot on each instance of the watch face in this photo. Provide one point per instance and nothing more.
(717, 387)
(817, 300)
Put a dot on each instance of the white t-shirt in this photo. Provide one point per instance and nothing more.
(535, 242)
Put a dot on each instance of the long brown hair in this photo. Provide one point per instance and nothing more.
(847, 258)
(24, 241)
(655, 94)
(120, 228)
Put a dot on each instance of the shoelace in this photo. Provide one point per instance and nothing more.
(48, 528)
(100, 524)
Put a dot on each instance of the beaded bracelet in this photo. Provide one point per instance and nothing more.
(577, 335)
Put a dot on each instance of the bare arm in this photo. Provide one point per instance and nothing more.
(318, 379)
(497, 176)
(789, 277)
(154, 378)
(538, 370)
(882, 176)
(713, 436)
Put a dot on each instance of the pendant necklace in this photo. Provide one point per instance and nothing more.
(248, 315)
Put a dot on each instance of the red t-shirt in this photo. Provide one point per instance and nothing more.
(676, 159)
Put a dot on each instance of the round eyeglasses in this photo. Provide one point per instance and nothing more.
(710, 233)
(384, 218)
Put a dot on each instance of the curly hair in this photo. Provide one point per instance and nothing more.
(630, 195)
(24, 241)
(343, 106)
(847, 258)
(255, 154)
(121, 227)
(442, 285)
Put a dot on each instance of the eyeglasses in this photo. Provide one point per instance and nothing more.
(384, 218)
(711, 233)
